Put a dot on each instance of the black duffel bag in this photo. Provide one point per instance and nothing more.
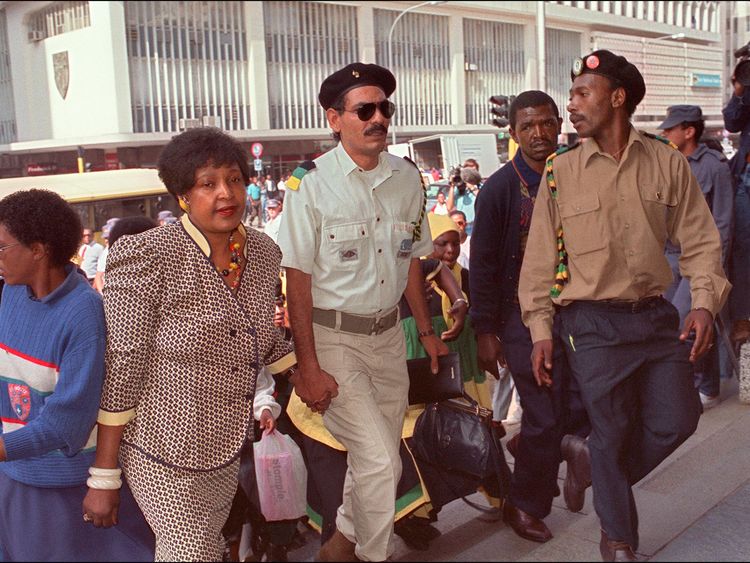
(457, 435)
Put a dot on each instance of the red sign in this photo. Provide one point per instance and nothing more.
(256, 149)
(111, 161)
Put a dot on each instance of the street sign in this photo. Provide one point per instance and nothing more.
(704, 80)
(258, 164)
(256, 149)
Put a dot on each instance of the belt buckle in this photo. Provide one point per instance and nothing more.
(377, 327)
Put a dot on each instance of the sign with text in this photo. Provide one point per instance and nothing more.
(704, 80)
(258, 164)
(256, 149)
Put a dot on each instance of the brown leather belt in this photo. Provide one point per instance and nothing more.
(355, 324)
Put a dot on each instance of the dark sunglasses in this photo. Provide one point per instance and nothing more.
(366, 111)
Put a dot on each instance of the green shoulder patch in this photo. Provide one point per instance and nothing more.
(660, 139)
(294, 180)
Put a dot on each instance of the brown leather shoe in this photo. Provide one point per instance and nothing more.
(525, 525)
(613, 550)
(575, 452)
(337, 549)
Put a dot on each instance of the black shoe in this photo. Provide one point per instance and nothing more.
(425, 528)
(411, 535)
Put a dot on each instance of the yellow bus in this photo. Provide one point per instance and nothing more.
(98, 196)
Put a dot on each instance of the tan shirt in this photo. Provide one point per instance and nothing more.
(352, 230)
(616, 219)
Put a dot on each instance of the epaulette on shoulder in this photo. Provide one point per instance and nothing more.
(410, 161)
(294, 180)
(660, 139)
(549, 170)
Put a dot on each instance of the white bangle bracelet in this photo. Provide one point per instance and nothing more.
(103, 483)
(461, 300)
(101, 472)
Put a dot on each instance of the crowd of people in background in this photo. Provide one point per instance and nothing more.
(140, 371)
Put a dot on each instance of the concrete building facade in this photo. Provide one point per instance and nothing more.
(120, 78)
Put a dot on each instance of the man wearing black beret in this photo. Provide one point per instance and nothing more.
(596, 253)
(354, 228)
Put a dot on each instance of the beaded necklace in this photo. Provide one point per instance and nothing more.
(234, 263)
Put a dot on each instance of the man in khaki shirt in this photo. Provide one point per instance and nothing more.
(596, 251)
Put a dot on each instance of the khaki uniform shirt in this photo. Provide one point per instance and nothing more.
(352, 231)
(616, 219)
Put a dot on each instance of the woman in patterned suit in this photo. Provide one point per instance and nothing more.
(189, 310)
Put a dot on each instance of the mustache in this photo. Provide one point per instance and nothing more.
(376, 128)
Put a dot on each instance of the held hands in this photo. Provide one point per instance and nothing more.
(434, 348)
(458, 313)
(490, 353)
(315, 388)
(267, 421)
(701, 322)
(100, 507)
(541, 362)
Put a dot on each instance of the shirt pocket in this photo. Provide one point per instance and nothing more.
(657, 203)
(581, 224)
(402, 239)
(346, 243)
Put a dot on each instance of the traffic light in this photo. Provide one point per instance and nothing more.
(500, 109)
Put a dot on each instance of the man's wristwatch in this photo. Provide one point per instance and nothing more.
(426, 333)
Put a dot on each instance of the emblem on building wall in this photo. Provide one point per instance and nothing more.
(62, 72)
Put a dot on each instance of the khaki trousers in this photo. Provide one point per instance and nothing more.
(366, 417)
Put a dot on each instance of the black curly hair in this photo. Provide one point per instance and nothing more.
(194, 149)
(43, 216)
(130, 226)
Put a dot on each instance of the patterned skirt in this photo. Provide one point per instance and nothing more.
(185, 509)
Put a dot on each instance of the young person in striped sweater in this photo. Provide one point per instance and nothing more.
(52, 336)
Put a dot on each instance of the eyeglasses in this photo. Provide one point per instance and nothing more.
(7, 246)
(366, 111)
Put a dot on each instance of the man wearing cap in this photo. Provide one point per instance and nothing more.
(737, 119)
(274, 208)
(353, 232)
(684, 126)
(596, 253)
(88, 254)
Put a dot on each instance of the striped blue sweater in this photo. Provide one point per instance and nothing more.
(51, 374)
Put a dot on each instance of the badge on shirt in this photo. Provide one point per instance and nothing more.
(350, 255)
(404, 250)
(20, 400)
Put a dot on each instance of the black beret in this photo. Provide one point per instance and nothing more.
(354, 76)
(616, 67)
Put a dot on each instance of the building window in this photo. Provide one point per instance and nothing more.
(495, 63)
(188, 65)
(421, 64)
(305, 42)
(58, 18)
(7, 107)
(563, 47)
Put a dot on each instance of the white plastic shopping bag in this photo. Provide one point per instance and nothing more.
(282, 477)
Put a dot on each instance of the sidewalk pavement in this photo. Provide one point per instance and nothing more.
(694, 507)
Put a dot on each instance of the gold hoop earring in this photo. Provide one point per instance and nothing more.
(184, 205)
